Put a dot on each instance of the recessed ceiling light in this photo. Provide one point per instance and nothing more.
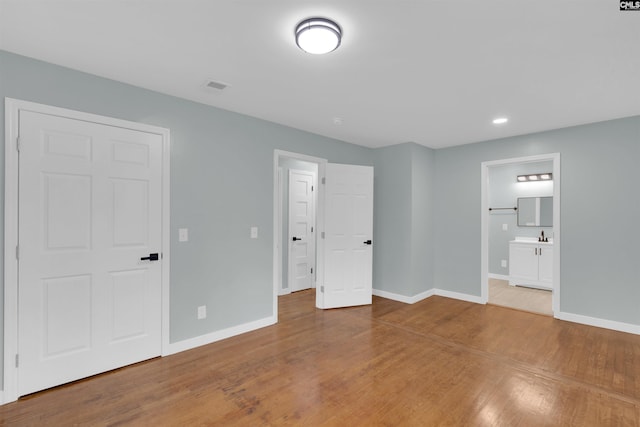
(500, 120)
(337, 121)
(318, 35)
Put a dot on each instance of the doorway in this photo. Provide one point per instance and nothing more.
(507, 236)
(284, 162)
(344, 228)
(298, 189)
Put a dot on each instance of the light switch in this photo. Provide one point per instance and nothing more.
(183, 234)
(202, 312)
(503, 263)
(254, 232)
(505, 227)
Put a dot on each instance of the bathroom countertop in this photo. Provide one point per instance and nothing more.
(531, 240)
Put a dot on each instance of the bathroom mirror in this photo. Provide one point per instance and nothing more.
(535, 212)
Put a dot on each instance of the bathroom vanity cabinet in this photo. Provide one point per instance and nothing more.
(531, 264)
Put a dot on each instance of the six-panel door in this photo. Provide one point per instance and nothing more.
(90, 209)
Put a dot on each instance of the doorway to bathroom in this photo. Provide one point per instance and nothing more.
(521, 233)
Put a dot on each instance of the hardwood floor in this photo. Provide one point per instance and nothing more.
(440, 362)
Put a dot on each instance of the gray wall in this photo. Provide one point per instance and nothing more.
(221, 185)
(599, 212)
(403, 236)
(504, 191)
(392, 219)
(422, 238)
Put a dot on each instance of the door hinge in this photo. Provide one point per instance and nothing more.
(312, 188)
(311, 270)
(322, 288)
(18, 144)
(324, 180)
(312, 229)
(17, 360)
(18, 253)
(322, 235)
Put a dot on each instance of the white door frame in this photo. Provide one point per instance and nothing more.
(11, 215)
(277, 221)
(484, 232)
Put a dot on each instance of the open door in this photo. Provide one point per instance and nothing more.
(348, 234)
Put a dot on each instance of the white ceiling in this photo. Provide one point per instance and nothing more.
(431, 72)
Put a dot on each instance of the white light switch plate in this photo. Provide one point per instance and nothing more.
(254, 232)
(202, 312)
(183, 234)
(505, 227)
(503, 263)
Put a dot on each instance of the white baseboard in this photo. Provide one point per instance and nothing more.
(426, 294)
(460, 296)
(403, 298)
(188, 344)
(600, 323)
(499, 276)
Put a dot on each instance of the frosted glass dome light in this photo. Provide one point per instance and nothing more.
(318, 35)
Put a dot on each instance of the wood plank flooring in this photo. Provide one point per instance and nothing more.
(440, 362)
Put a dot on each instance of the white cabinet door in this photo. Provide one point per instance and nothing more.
(90, 209)
(545, 265)
(348, 230)
(523, 263)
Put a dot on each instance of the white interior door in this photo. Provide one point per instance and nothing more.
(89, 211)
(302, 241)
(348, 227)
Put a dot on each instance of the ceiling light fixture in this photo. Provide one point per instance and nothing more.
(500, 120)
(318, 35)
(536, 177)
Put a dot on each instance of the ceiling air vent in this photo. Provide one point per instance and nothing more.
(212, 84)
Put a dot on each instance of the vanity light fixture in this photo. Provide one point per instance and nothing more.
(318, 35)
(536, 177)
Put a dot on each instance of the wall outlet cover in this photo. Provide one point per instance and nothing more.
(505, 227)
(503, 263)
(183, 234)
(254, 232)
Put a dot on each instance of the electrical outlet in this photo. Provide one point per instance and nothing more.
(202, 312)
(254, 232)
(503, 263)
(505, 227)
(183, 234)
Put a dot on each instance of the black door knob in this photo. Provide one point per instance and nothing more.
(368, 242)
(151, 257)
(297, 238)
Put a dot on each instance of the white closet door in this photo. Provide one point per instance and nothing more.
(89, 210)
(302, 241)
